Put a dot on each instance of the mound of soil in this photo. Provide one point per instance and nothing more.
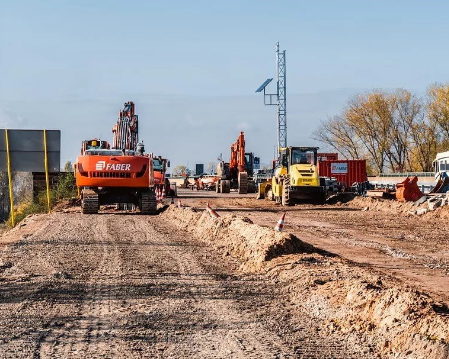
(384, 205)
(357, 302)
(402, 322)
(237, 236)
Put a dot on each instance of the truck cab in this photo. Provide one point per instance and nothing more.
(441, 165)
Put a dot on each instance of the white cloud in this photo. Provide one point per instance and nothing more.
(242, 126)
(9, 119)
(193, 122)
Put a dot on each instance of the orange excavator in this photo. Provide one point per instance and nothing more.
(238, 172)
(121, 174)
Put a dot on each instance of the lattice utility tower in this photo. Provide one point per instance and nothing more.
(280, 97)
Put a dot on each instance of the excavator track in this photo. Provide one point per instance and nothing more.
(243, 183)
(148, 204)
(89, 202)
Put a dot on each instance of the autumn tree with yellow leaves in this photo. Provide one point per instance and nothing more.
(395, 131)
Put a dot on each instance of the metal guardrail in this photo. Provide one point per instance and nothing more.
(408, 174)
(261, 177)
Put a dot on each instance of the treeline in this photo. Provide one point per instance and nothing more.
(395, 131)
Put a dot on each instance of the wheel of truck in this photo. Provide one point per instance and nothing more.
(225, 186)
(243, 182)
(286, 201)
(252, 188)
(89, 202)
(168, 190)
(217, 186)
(147, 202)
(322, 199)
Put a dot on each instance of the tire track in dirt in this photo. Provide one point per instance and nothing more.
(89, 333)
(133, 286)
(227, 332)
(247, 335)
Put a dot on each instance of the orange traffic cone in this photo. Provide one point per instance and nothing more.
(159, 194)
(163, 193)
(280, 224)
(212, 213)
(179, 203)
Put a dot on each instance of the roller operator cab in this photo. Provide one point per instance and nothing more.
(295, 178)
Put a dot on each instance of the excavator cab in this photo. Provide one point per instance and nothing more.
(94, 144)
(249, 163)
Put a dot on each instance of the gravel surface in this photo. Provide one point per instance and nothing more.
(117, 285)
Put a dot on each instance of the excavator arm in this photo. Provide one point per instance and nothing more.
(126, 130)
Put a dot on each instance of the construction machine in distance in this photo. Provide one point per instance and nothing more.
(160, 166)
(121, 174)
(295, 178)
(237, 174)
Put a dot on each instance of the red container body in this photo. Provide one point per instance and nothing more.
(327, 156)
(345, 171)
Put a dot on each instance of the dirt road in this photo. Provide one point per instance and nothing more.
(133, 286)
(410, 248)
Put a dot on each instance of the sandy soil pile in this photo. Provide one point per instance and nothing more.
(384, 205)
(400, 321)
(237, 236)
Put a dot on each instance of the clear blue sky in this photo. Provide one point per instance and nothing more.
(192, 66)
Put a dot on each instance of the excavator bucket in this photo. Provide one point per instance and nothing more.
(441, 186)
(408, 190)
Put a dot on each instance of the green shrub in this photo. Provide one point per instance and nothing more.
(66, 187)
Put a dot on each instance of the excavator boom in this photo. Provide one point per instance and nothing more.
(126, 130)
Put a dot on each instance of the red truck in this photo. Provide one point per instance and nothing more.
(160, 168)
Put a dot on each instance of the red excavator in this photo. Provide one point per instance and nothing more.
(121, 174)
(237, 174)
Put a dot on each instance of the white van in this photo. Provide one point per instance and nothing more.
(441, 165)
